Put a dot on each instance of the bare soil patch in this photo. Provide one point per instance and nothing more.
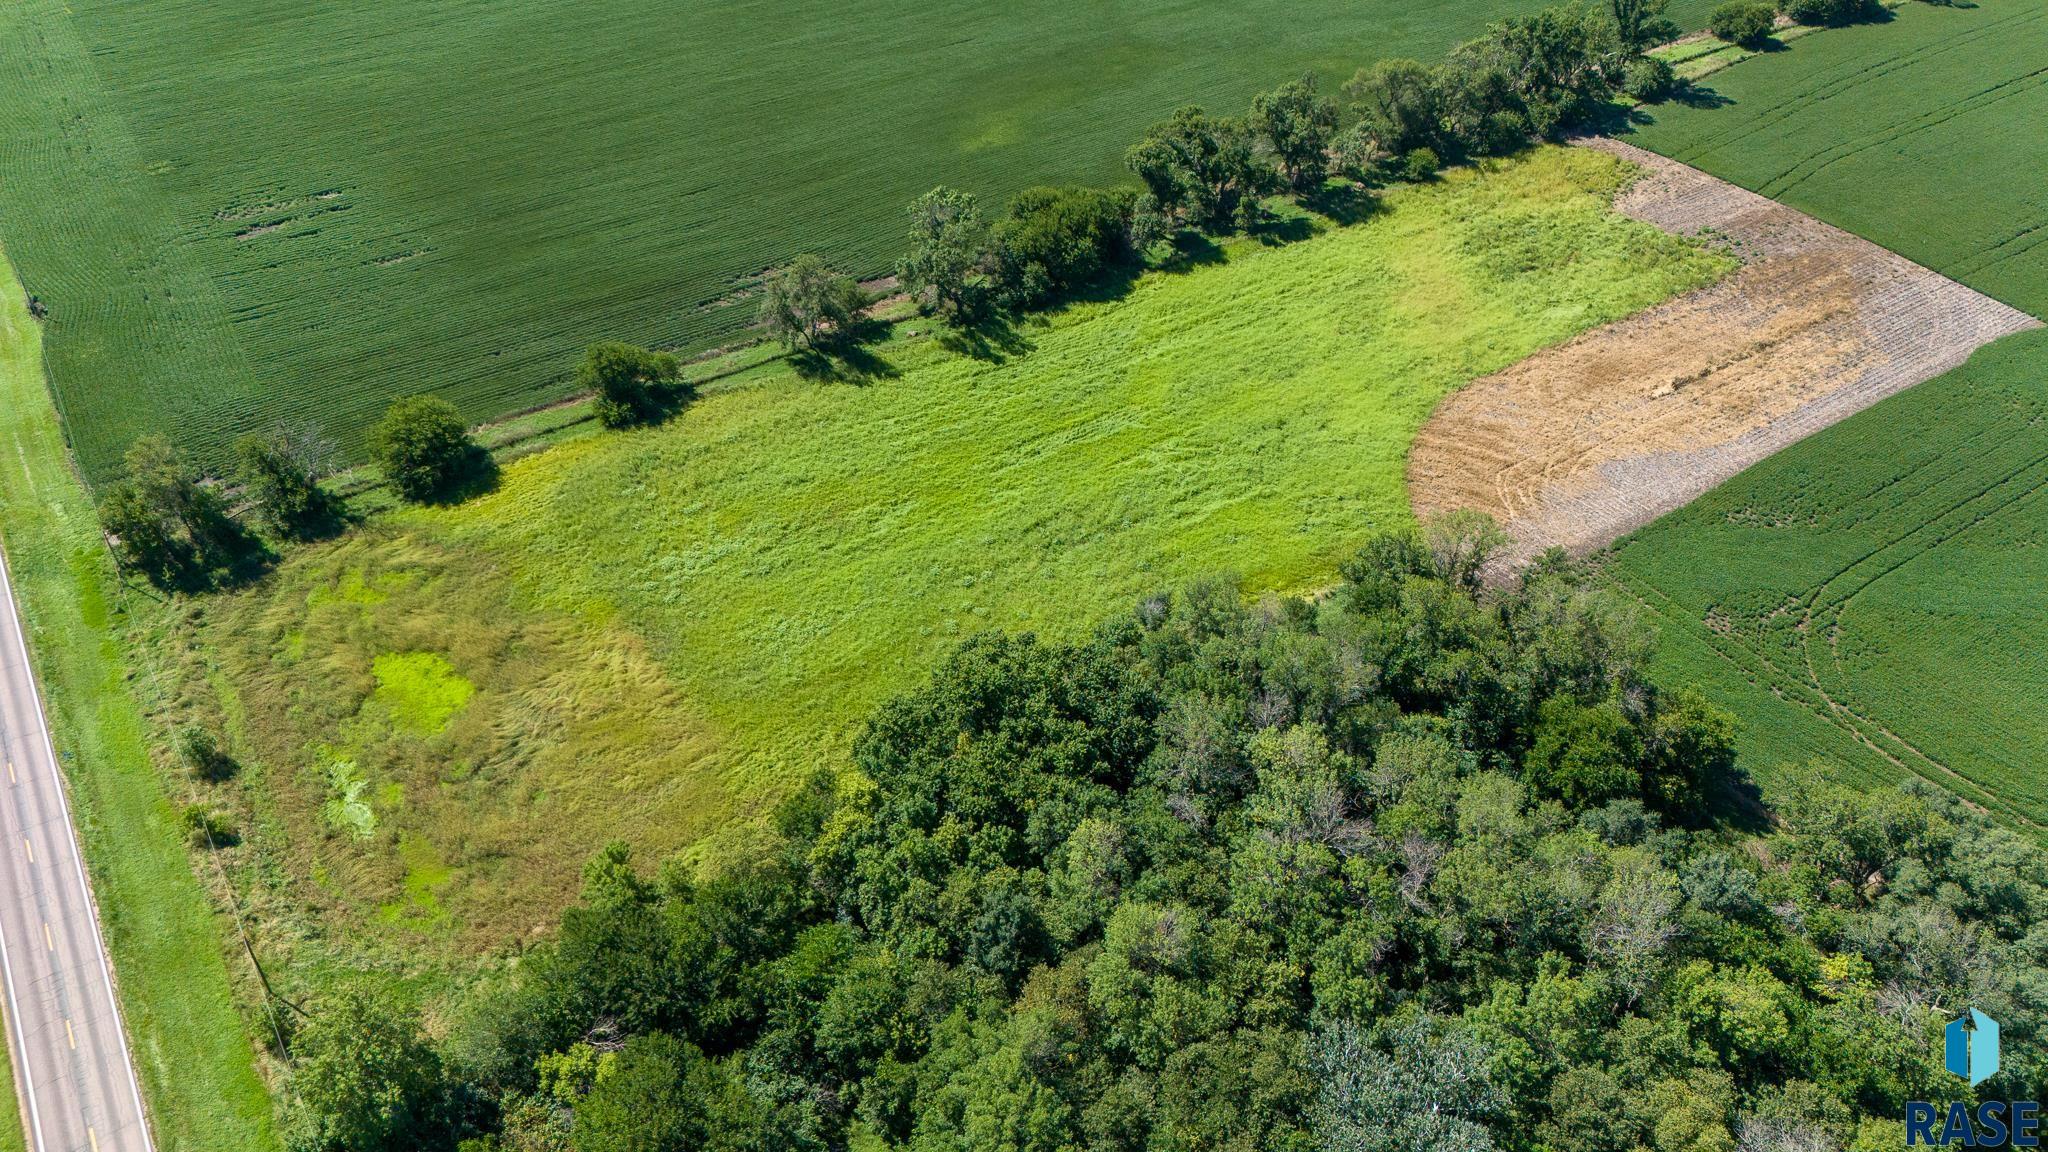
(1583, 442)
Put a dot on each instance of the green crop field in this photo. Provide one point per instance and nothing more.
(1872, 595)
(239, 211)
(1862, 597)
(1922, 133)
(646, 634)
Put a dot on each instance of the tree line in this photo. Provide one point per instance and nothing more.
(1421, 863)
(1529, 77)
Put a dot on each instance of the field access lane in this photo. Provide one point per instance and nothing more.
(72, 1068)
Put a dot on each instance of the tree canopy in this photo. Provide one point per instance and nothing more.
(632, 385)
(1422, 862)
(424, 447)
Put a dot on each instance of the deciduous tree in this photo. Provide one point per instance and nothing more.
(423, 447)
(1297, 126)
(632, 384)
(807, 304)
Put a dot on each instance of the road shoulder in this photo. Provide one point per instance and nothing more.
(188, 1041)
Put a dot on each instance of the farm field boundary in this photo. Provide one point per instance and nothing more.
(190, 1046)
(1920, 134)
(239, 213)
(1581, 443)
(1866, 595)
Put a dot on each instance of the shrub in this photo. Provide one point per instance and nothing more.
(1648, 79)
(1744, 22)
(632, 384)
(422, 446)
(1828, 12)
(1054, 240)
(206, 828)
(203, 756)
(1420, 164)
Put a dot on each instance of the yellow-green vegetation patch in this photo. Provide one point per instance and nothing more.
(436, 757)
(420, 690)
(425, 875)
(350, 587)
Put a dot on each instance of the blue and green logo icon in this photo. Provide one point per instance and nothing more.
(1973, 1047)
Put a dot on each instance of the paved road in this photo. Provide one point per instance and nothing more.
(71, 1064)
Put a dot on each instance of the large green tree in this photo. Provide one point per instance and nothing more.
(423, 447)
(1297, 125)
(632, 385)
(1202, 170)
(807, 304)
(946, 269)
(166, 521)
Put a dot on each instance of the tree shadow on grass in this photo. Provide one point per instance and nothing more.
(1694, 95)
(845, 357)
(1191, 250)
(477, 475)
(1343, 204)
(1278, 231)
(847, 364)
(991, 339)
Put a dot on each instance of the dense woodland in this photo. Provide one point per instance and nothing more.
(1420, 863)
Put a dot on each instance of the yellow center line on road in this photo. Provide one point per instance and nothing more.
(49, 941)
(29, 848)
(94, 1137)
(11, 777)
(70, 1035)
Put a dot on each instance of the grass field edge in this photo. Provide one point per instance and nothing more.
(189, 1042)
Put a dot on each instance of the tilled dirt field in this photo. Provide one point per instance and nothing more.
(1581, 443)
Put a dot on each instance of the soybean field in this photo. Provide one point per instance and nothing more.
(1872, 595)
(1922, 133)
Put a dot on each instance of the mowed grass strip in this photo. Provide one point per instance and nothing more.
(1922, 134)
(241, 211)
(1872, 595)
(665, 628)
(190, 1048)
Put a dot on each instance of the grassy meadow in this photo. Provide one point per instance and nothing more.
(241, 211)
(1922, 133)
(649, 634)
(191, 1048)
(1871, 596)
